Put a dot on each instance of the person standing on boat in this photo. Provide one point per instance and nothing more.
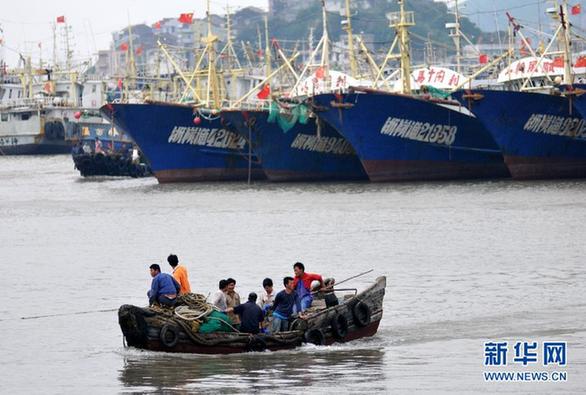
(302, 284)
(285, 302)
(232, 300)
(179, 274)
(251, 316)
(164, 288)
(219, 298)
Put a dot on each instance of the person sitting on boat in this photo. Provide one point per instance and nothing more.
(179, 274)
(164, 288)
(268, 296)
(232, 300)
(302, 284)
(219, 298)
(283, 306)
(251, 316)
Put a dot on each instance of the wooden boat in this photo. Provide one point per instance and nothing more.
(329, 320)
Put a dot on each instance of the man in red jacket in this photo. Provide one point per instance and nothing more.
(302, 284)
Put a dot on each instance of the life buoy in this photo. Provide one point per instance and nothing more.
(361, 314)
(169, 335)
(315, 336)
(339, 325)
(257, 344)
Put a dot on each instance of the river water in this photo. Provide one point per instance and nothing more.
(467, 263)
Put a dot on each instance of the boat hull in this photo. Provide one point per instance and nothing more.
(401, 138)
(298, 154)
(143, 328)
(542, 136)
(180, 151)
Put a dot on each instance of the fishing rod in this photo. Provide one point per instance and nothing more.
(331, 288)
(356, 276)
(66, 314)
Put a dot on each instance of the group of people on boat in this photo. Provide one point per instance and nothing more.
(271, 313)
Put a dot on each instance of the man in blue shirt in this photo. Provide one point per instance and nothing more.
(283, 306)
(251, 316)
(164, 288)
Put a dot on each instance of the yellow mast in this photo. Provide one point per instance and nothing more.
(347, 25)
(212, 85)
(400, 22)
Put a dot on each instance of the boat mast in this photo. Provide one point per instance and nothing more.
(347, 25)
(400, 22)
(456, 35)
(566, 42)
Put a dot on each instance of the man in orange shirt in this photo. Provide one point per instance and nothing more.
(179, 274)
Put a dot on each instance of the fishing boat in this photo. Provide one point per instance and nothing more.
(402, 136)
(176, 329)
(538, 127)
(289, 145)
(185, 140)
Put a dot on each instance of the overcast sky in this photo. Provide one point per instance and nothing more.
(26, 23)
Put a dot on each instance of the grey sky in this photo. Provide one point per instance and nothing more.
(28, 22)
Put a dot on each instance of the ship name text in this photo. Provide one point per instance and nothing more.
(556, 125)
(216, 138)
(420, 131)
(327, 145)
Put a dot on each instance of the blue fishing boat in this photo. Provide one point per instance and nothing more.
(291, 148)
(541, 135)
(403, 137)
(182, 146)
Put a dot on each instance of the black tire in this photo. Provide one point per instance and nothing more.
(298, 325)
(339, 325)
(315, 336)
(361, 313)
(256, 344)
(49, 131)
(59, 130)
(169, 336)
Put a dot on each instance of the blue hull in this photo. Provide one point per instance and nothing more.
(541, 135)
(401, 138)
(297, 154)
(177, 149)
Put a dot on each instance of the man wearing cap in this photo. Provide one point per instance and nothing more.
(251, 316)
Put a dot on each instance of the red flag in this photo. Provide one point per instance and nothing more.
(265, 92)
(320, 73)
(186, 18)
(259, 53)
(157, 25)
(577, 9)
(123, 47)
(61, 19)
(120, 83)
(139, 51)
(483, 58)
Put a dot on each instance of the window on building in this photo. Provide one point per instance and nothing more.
(4, 117)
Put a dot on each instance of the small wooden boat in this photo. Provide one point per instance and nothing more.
(329, 320)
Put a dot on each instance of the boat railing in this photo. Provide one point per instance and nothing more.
(35, 102)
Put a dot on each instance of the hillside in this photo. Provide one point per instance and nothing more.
(430, 17)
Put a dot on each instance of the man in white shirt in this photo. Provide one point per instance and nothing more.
(267, 296)
(219, 298)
